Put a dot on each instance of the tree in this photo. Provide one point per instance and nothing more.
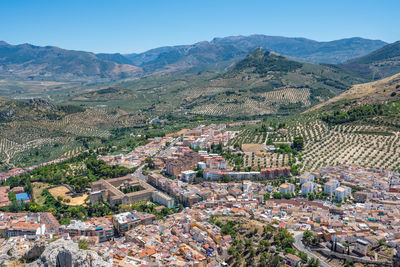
(313, 262)
(290, 250)
(307, 235)
(315, 241)
(283, 238)
(150, 163)
(298, 143)
(200, 173)
(303, 256)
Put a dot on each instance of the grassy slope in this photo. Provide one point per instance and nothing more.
(380, 91)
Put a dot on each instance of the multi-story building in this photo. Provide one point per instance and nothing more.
(163, 199)
(287, 188)
(112, 190)
(275, 172)
(21, 228)
(185, 160)
(306, 177)
(342, 192)
(214, 174)
(216, 162)
(188, 176)
(126, 221)
(362, 247)
(100, 227)
(308, 188)
(329, 187)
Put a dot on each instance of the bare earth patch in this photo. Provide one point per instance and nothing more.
(252, 147)
(65, 193)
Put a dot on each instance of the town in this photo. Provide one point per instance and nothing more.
(332, 213)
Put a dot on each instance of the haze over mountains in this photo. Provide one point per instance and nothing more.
(27, 61)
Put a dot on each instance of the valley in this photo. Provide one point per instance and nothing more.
(241, 151)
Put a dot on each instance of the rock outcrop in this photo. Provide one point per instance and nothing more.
(65, 253)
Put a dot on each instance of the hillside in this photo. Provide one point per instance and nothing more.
(36, 130)
(221, 52)
(31, 62)
(387, 89)
(262, 83)
(266, 83)
(378, 64)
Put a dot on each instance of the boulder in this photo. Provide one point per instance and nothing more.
(34, 251)
(65, 253)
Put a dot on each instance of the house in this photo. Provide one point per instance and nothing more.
(292, 260)
(361, 247)
(22, 228)
(360, 196)
(4, 200)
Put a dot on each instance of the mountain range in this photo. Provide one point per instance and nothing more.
(236, 47)
(28, 61)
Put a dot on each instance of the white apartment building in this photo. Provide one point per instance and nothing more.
(342, 192)
(306, 177)
(287, 188)
(329, 187)
(308, 188)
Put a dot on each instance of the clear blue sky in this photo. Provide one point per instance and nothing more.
(134, 26)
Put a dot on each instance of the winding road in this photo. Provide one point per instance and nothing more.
(298, 236)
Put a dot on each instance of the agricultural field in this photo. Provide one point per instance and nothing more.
(249, 135)
(360, 144)
(64, 195)
(259, 160)
(37, 132)
(252, 142)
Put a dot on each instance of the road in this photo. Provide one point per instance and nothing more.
(138, 173)
(298, 236)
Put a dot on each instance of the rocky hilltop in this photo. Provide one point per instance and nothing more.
(65, 253)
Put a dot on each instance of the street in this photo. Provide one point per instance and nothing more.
(298, 236)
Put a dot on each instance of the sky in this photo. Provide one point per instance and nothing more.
(133, 26)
